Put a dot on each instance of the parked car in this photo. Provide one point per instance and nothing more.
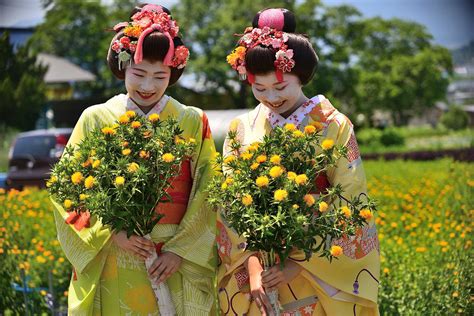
(32, 154)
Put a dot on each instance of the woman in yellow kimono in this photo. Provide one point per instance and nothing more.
(109, 276)
(278, 63)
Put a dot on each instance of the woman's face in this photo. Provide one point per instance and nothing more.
(146, 82)
(281, 97)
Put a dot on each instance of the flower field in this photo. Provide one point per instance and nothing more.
(424, 221)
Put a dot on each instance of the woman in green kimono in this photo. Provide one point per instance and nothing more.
(278, 63)
(109, 276)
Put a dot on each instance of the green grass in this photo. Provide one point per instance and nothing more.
(6, 138)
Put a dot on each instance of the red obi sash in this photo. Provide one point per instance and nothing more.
(179, 191)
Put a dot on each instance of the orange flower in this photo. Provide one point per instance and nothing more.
(130, 114)
(126, 151)
(309, 129)
(336, 251)
(136, 124)
(108, 131)
(309, 199)
(77, 178)
(247, 200)
(366, 214)
(346, 211)
(144, 154)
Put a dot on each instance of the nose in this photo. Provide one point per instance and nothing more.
(147, 85)
(272, 97)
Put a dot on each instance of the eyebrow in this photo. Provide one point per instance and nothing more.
(274, 84)
(156, 73)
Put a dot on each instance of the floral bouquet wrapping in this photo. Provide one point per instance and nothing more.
(266, 195)
(119, 174)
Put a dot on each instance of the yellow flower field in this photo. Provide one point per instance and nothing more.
(424, 221)
(425, 229)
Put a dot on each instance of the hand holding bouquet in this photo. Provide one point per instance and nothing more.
(266, 195)
(120, 173)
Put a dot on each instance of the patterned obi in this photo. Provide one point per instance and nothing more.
(179, 191)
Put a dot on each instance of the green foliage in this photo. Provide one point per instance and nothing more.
(119, 174)
(81, 31)
(390, 137)
(424, 224)
(455, 118)
(265, 194)
(22, 89)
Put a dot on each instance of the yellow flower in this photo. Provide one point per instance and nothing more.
(40, 259)
(292, 175)
(133, 31)
(253, 147)
(280, 195)
(76, 178)
(301, 179)
(386, 270)
(327, 144)
(290, 127)
(261, 159)
(192, 140)
(96, 164)
(275, 159)
(420, 249)
(262, 181)
(126, 151)
(298, 134)
(67, 203)
(229, 159)
(276, 171)
(124, 119)
(132, 167)
(246, 156)
(168, 157)
(108, 131)
(455, 294)
(229, 180)
(82, 196)
(130, 114)
(232, 59)
(89, 182)
(240, 51)
(336, 251)
(296, 206)
(309, 129)
(224, 186)
(154, 117)
(247, 199)
(366, 214)
(309, 199)
(323, 207)
(119, 181)
(136, 124)
(254, 166)
(346, 211)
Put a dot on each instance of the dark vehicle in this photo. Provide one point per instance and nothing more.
(32, 155)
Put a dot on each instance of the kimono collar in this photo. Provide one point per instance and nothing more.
(157, 108)
(296, 117)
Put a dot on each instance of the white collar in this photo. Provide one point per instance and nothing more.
(296, 117)
(157, 108)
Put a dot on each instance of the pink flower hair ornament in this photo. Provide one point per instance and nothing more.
(267, 37)
(150, 18)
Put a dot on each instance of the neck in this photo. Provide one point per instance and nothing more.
(146, 108)
(302, 99)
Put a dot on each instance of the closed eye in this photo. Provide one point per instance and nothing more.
(260, 90)
(138, 75)
(282, 88)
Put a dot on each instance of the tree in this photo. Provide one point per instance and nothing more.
(22, 89)
(81, 32)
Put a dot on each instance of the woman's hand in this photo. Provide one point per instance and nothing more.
(254, 269)
(163, 267)
(137, 245)
(274, 277)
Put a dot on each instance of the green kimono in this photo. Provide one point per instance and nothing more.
(108, 280)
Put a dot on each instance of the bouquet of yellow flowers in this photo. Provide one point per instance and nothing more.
(265, 193)
(120, 173)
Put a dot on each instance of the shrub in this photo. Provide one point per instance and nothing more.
(456, 118)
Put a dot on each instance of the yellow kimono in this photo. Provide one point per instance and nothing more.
(107, 280)
(347, 286)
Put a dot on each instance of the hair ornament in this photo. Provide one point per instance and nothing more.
(268, 37)
(150, 18)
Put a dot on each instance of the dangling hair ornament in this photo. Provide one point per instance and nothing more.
(150, 18)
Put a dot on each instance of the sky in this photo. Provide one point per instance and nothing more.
(451, 22)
